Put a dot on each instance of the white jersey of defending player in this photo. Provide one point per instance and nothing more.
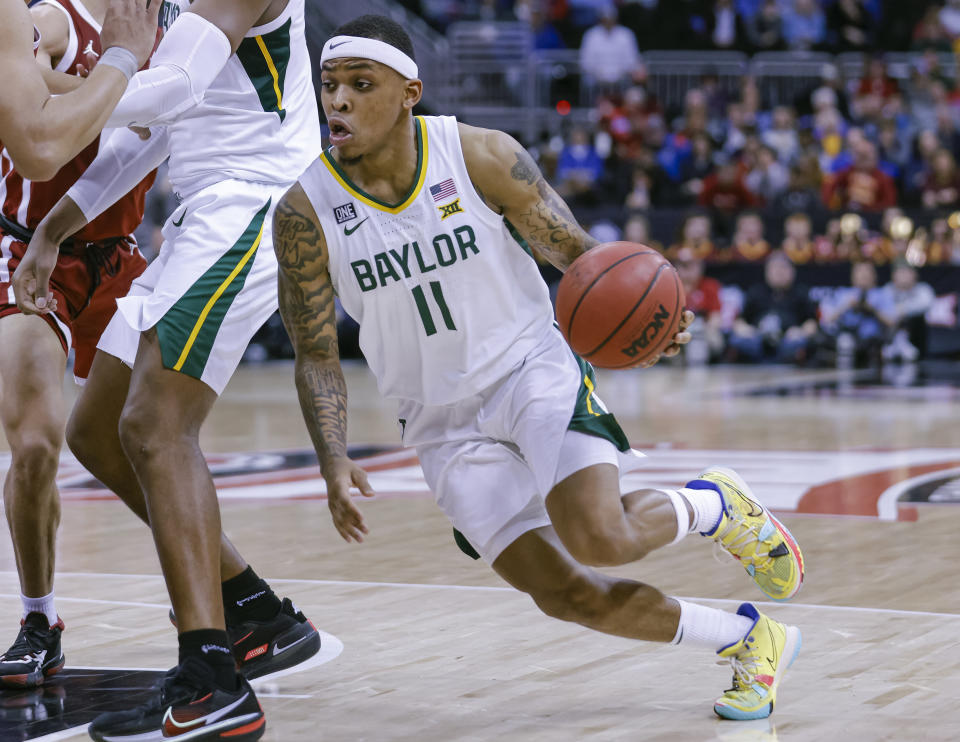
(258, 121)
(448, 298)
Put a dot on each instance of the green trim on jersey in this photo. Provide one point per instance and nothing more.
(265, 60)
(589, 416)
(355, 190)
(518, 238)
(189, 328)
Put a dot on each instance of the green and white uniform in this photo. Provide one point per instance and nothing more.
(232, 157)
(457, 325)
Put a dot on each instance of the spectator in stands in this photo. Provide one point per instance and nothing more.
(696, 233)
(727, 26)
(851, 25)
(717, 99)
(804, 25)
(903, 305)
(765, 28)
(545, 34)
(778, 322)
(703, 299)
(862, 186)
(849, 317)
(831, 82)
(725, 194)
(893, 150)
(782, 135)
(876, 81)
(640, 197)
(803, 190)
(918, 169)
(609, 54)
(748, 244)
(950, 18)
(738, 125)
(942, 189)
(637, 229)
(697, 167)
(929, 33)
(579, 167)
(768, 178)
(798, 242)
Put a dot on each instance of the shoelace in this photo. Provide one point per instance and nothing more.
(30, 641)
(761, 560)
(744, 670)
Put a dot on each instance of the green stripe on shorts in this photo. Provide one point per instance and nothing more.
(589, 416)
(188, 330)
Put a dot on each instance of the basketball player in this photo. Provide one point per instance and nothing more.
(423, 228)
(230, 90)
(40, 132)
(93, 268)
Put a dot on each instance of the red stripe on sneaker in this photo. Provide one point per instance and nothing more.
(262, 649)
(201, 700)
(241, 639)
(767, 680)
(791, 542)
(246, 728)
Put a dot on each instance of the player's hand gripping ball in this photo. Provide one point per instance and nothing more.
(620, 305)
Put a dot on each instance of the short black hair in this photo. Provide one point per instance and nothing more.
(381, 28)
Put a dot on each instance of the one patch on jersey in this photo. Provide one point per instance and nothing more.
(345, 213)
(443, 190)
(450, 209)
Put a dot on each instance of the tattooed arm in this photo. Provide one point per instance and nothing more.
(309, 314)
(511, 184)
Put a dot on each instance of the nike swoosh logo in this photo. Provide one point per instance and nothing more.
(177, 224)
(334, 46)
(178, 727)
(346, 230)
(280, 650)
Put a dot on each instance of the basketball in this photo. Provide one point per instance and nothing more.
(619, 304)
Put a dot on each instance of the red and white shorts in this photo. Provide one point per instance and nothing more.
(86, 283)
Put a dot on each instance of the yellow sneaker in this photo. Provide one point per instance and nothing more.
(759, 661)
(753, 536)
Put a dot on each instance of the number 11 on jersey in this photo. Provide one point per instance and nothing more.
(420, 298)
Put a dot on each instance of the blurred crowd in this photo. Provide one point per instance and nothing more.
(755, 25)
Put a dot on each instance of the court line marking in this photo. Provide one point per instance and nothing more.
(488, 588)
(330, 649)
(889, 500)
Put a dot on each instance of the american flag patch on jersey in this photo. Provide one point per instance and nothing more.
(443, 190)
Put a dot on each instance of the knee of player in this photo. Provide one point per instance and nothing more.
(80, 441)
(140, 437)
(35, 454)
(601, 545)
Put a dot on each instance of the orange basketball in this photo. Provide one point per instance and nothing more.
(619, 304)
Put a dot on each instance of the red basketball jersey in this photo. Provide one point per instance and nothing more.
(27, 202)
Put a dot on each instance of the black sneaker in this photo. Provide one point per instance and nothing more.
(35, 655)
(265, 647)
(190, 706)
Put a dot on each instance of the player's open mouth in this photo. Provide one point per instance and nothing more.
(339, 132)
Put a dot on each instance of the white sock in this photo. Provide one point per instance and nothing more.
(683, 517)
(42, 605)
(708, 627)
(707, 508)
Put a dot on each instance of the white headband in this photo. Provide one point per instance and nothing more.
(379, 51)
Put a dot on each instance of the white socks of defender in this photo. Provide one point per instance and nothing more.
(42, 605)
(707, 509)
(707, 627)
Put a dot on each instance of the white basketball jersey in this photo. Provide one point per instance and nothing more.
(448, 298)
(258, 120)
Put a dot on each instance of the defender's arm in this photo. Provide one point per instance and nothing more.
(509, 180)
(307, 307)
(43, 132)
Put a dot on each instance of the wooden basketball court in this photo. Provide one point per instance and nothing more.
(421, 643)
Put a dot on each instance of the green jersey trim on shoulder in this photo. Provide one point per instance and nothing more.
(350, 187)
(265, 60)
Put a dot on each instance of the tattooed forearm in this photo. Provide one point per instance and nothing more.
(323, 399)
(307, 307)
(548, 225)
